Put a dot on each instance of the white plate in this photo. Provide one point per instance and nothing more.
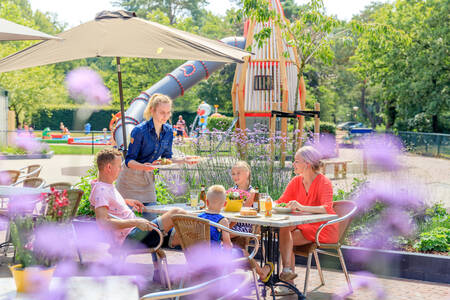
(282, 210)
(241, 216)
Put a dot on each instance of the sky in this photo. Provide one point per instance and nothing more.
(75, 12)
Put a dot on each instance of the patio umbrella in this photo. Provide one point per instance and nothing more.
(121, 33)
(10, 31)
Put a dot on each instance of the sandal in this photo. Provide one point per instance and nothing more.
(287, 276)
(270, 273)
(283, 291)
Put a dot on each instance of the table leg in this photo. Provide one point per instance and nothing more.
(270, 238)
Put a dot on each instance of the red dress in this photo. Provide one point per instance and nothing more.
(320, 194)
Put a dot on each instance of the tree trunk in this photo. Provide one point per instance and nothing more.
(294, 136)
(391, 113)
(364, 106)
(434, 123)
(302, 107)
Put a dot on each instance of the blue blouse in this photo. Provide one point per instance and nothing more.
(144, 143)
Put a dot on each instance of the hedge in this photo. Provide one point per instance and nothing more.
(52, 116)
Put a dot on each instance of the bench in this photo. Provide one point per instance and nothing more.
(340, 166)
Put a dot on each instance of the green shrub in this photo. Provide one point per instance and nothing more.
(163, 196)
(437, 239)
(421, 123)
(343, 195)
(325, 127)
(219, 123)
(84, 209)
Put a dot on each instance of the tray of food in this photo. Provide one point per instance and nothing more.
(282, 208)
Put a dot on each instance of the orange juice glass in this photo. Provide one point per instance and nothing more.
(268, 206)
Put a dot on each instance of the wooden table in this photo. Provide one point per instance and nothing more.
(270, 233)
(338, 163)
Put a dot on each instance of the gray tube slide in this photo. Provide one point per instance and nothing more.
(173, 85)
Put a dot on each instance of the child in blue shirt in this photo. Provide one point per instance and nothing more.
(215, 200)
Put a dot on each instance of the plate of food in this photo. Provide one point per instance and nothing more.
(247, 212)
(282, 208)
(162, 163)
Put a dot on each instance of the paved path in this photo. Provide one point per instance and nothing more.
(431, 175)
(395, 289)
(51, 168)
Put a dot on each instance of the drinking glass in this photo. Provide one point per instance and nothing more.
(262, 202)
(268, 206)
(194, 198)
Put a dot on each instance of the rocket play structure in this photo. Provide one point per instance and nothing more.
(173, 85)
(265, 83)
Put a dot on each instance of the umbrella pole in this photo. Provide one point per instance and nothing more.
(122, 110)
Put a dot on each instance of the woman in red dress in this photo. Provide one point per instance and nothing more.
(310, 192)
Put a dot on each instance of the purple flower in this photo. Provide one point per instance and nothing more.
(66, 269)
(326, 145)
(23, 204)
(84, 84)
(5, 179)
(60, 240)
(177, 185)
(383, 150)
(392, 223)
(399, 194)
(29, 143)
(363, 280)
(205, 262)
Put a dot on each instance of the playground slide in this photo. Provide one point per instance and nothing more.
(173, 85)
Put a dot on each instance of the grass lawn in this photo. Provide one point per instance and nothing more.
(74, 149)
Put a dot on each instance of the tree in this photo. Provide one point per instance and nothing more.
(173, 9)
(411, 64)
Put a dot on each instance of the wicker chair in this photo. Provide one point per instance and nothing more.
(160, 255)
(345, 210)
(60, 185)
(194, 230)
(33, 182)
(9, 176)
(31, 171)
(244, 278)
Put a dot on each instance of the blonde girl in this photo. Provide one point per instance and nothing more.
(241, 175)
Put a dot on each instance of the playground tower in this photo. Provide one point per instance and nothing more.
(267, 79)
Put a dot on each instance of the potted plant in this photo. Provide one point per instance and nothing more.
(235, 199)
(34, 267)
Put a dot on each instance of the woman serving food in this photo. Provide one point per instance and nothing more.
(150, 145)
